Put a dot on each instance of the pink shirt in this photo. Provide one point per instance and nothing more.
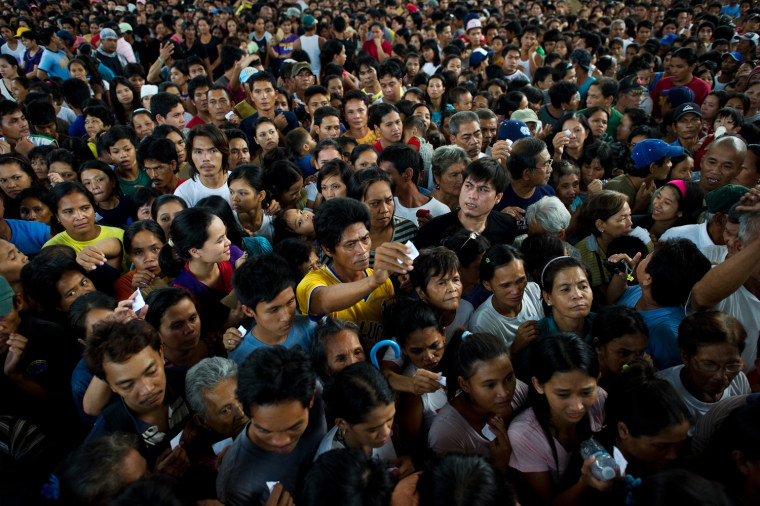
(531, 451)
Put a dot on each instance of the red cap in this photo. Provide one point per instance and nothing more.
(412, 8)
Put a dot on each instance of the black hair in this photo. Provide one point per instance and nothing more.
(393, 67)
(163, 199)
(115, 134)
(561, 92)
(487, 170)
(116, 105)
(552, 354)
(163, 102)
(101, 112)
(454, 479)
(614, 322)
(324, 112)
(116, 341)
(347, 477)
(68, 188)
(332, 167)
(275, 374)
(555, 266)
(161, 300)
(738, 432)
(497, 256)
(355, 391)
(646, 404)
(261, 279)
(703, 329)
(524, 156)
(295, 252)
(189, 230)
(334, 217)
(408, 315)
(79, 309)
(281, 176)
(467, 245)
(463, 353)
(432, 262)
(140, 226)
(221, 208)
(675, 267)
(359, 149)
(402, 157)
(377, 112)
(678, 486)
(155, 148)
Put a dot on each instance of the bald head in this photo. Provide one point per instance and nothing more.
(722, 162)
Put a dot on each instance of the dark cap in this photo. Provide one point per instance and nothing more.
(631, 84)
(687, 108)
(679, 95)
(721, 200)
(582, 58)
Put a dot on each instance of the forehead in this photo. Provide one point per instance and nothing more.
(353, 232)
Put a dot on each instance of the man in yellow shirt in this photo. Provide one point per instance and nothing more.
(348, 288)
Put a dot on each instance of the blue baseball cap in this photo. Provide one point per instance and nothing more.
(246, 74)
(668, 39)
(679, 95)
(512, 130)
(477, 57)
(650, 151)
(735, 55)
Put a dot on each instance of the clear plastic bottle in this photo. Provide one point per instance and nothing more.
(603, 467)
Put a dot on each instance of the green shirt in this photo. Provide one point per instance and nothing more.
(130, 187)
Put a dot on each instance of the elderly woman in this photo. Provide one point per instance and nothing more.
(449, 163)
(711, 345)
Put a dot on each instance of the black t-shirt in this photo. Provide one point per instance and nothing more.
(500, 229)
(49, 359)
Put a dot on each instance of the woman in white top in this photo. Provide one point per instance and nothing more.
(361, 403)
(248, 196)
(514, 309)
(711, 345)
(9, 71)
(420, 336)
(483, 394)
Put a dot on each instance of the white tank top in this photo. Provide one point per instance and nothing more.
(310, 44)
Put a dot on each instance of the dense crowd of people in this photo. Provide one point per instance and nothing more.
(380, 253)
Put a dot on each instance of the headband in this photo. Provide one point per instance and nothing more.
(681, 185)
(543, 271)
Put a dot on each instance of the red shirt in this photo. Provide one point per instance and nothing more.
(371, 48)
(700, 88)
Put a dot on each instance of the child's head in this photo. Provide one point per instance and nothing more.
(300, 142)
(418, 331)
(729, 118)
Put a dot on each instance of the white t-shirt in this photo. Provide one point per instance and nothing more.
(436, 208)
(18, 54)
(487, 319)
(193, 190)
(715, 254)
(697, 408)
(695, 233)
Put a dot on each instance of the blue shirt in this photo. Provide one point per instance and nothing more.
(80, 381)
(305, 165)
(28, 236)
(300, 335)
(511, 199)
(663, 324)
(56, 64)
(77, 128)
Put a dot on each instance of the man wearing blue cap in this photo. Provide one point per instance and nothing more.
(651, 162)
(731, 63)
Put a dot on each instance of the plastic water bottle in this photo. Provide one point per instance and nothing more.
(603, 467)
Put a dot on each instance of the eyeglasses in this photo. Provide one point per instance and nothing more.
(712, 367)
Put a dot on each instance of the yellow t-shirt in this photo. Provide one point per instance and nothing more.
(370, 138)
(105, 233)
(367, 313)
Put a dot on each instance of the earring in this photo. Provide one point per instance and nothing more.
(437, 187)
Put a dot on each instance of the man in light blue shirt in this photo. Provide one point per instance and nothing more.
(266, 289)
(54, 61)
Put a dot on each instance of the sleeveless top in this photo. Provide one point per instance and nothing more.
(310, 44)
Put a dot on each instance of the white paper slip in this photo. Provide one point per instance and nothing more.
(414, 253)
(533, 317)
(221, 445)
(391, 469)
(619, 460)
(442, 381)
(271, 484)
(242, 330)
(488, 433)
(641, 233)
(139, 302)
(175, 440)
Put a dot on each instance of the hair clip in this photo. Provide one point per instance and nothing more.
(466, 333)
(488, 260)
(171, 243)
